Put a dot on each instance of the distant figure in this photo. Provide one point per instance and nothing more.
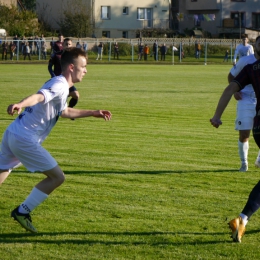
(163, 50)
(243, 49)
(100, 50)
(155, 51)
(146, 51)
(140, 51)
(226, 56)
(85, 46)
(116, 51)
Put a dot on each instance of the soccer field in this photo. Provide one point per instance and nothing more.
(155, 182)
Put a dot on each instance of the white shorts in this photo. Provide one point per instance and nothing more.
(245, 119)
(16, 150)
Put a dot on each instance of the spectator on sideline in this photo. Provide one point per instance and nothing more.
(146, 51)
(26, 51)
(140, 51)
(163, 50)
(12, 50)
(226, 56)
(85, 46)
(4, 50)
(116, 51)
(155, 50)
(100, 50)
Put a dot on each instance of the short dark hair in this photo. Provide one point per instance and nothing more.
(70, 55)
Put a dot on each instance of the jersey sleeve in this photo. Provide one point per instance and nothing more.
(251, 50)
(242, 62)
(243, 79)
(55, 91)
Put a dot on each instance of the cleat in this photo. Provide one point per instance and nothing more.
(244, 167)
(238, 229)
(24, 220)
(257, 164)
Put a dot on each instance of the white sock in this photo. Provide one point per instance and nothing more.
(35, 198)
(243, 151)
(244, 218)
(258, 157)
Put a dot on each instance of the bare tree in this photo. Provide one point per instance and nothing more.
(76, 19)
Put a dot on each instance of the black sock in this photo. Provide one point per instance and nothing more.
(253, 202)
(73, 102)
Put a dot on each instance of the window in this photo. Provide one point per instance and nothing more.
(105, 12)
(238, 0)
(144, 13)
(125, 10)
(239, 19)
(256, 20)
(125, 34)
(106, 34)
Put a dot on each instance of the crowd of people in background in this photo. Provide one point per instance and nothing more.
(38, 46)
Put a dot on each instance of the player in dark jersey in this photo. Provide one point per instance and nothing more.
(54, 63)
(249, 75)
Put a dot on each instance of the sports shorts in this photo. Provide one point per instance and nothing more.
(245, 118)
(256, 130)
(16, 150)
(71, 89)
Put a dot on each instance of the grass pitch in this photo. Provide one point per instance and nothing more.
(156, 182)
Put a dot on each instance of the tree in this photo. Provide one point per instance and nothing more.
(18, 22)
(29, 4)
(76, 19)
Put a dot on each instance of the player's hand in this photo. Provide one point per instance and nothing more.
(216, 122)
(103, 113)
(11, 109)
(238, 96)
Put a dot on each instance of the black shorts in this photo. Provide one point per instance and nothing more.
(256, 130)
(72, 89)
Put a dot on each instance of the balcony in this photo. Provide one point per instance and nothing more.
(154, 24)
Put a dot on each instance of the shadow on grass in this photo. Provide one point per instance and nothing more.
(141, 172)
(155, 238)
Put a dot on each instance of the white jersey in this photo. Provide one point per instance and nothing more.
(243, 50)
(37, 121)
(248, 94)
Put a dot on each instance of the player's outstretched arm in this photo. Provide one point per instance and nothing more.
(26, 102)
(223, 102)
(78, 113)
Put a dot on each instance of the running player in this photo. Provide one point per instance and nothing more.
(22, 140)
(54, 63)
(250, 74)
(245, 111)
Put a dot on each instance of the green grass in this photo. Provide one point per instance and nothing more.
(156, 182)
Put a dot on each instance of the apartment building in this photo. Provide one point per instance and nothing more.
(224, 18)
(113, 18)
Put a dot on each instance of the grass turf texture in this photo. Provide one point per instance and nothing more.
(156, 182)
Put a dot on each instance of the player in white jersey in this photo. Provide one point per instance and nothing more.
(21, 142)
(243, 49)
(245, 111)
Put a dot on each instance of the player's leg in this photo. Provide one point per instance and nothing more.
(243, 147)
(238, 224)
(35, 158)
(243, 124)
(3, 175)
